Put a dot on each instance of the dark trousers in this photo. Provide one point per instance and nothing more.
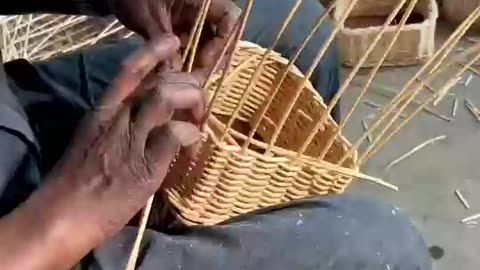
(343, 232)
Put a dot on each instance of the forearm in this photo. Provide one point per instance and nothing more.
(49, 231)
(73, 7)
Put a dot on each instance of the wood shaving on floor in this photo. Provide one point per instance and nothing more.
(470, 218)
(462, 199)
(454, 108)
(380, 107)
(473, 110)
(468, 81)
(415, 150)
(365, 129)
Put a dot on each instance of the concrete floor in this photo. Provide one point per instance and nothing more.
(428, 179)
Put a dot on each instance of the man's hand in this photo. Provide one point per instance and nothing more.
(123, 151)
(117, 160)
(152, 18)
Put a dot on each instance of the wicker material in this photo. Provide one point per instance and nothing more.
(225, 181)
(457, 11)
(414, 45)
(39, 37)
(303, 156)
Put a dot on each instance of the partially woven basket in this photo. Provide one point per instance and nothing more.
(415, 44)
(226, 181)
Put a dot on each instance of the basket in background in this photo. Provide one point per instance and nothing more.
(415, 44)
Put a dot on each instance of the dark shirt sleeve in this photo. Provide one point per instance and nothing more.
(71, 7)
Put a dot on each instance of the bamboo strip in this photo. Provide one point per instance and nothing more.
(462, 199)
(289, 66)
(454, 108)
(104, 31)
(468, 21)
(364, 90)
(237, 36)
(55, 30)
(405, 92)
(414, 150)
(470, 218)
(132, 259)
(196, 28)
(25, 44)
(371, 151)
(309, 73)
(198, 34)
(259, 69)
(474, 110)
(428, 110)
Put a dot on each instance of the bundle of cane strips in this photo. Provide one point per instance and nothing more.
(269, 137)
(38, 37)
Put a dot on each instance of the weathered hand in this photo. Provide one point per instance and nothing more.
(152, 18)
(121, 154)
(117, 160)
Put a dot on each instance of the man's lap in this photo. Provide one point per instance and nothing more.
(333, 232)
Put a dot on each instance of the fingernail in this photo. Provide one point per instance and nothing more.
(185, 133)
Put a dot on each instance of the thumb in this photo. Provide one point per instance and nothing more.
(165, 142)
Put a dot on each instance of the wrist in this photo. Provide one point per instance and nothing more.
(38, 235)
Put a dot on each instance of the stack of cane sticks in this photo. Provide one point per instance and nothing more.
(41, 36)
(386, 125)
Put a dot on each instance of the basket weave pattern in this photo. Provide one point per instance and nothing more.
(226, 181)
(414, 45)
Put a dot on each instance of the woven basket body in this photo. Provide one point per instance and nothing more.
(414, 45)
(457, 11)
(226, 181)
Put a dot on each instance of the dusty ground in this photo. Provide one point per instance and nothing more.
(428, 179)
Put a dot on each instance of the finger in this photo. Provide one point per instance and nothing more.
(223, 14)
(137, 67)
(162, 16)
(164, 143)
(177, 62)
(187, 98)
(115, 135)
(211, 52)
(192, 151)
(185, 133)
(169, 97)
(160, 150)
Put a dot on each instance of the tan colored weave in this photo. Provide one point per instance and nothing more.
(225, 181)
(414, 45)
